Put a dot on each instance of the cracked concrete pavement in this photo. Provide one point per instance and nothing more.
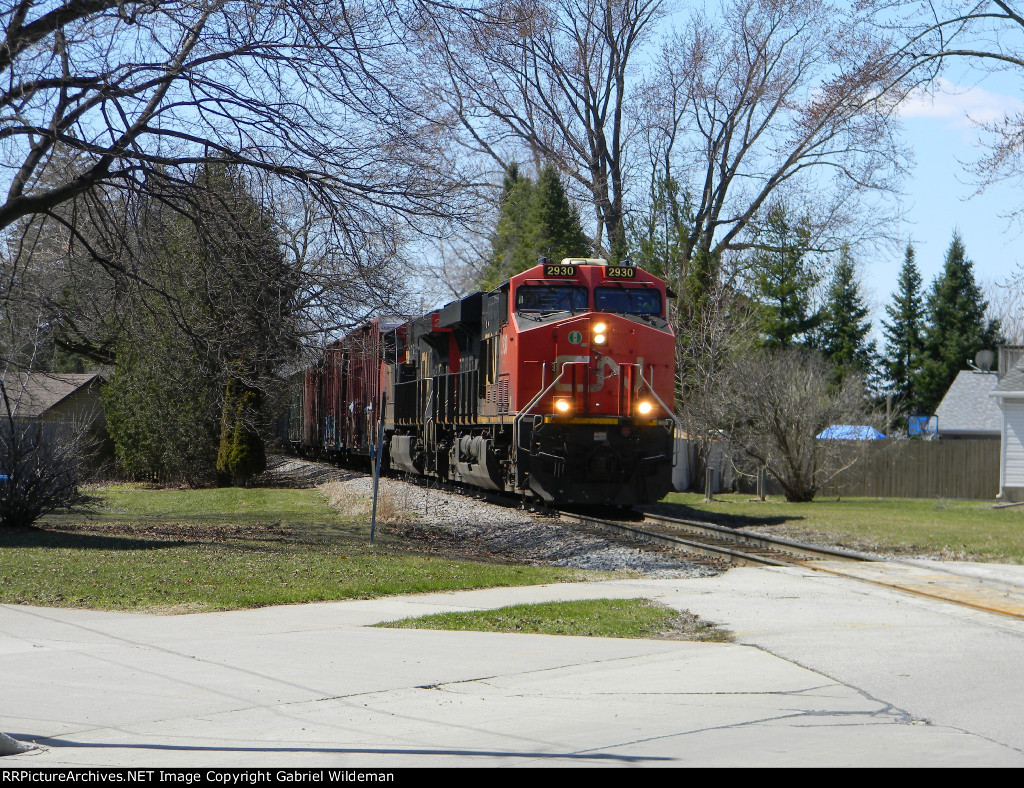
(825, 671)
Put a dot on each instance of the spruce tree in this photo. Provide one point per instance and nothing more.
(904, 334)
(534, 220)
(842, 336)
(957, 327)
(783, 282)
(554, 222)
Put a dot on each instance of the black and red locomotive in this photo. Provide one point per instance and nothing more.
(557, 385)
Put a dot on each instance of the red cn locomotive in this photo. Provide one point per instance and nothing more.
(557, 384)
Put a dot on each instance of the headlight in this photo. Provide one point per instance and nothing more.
(600, 339)
(600, 328)
(644, 408)
(563, 405)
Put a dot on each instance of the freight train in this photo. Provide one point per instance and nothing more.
(558, 385)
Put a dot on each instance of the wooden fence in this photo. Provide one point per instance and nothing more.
(965, 469)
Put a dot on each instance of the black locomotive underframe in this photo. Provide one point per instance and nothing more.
(617, 463)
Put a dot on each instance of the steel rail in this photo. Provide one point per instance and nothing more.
(787, 546)
(745, 548)
(723, 544)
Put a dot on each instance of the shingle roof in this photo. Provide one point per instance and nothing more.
(33, 394)
(1012, 382)
(968, 406)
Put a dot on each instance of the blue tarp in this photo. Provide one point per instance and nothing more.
(848, 432)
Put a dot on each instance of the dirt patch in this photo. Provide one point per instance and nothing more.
(687, 626)
(189, 532)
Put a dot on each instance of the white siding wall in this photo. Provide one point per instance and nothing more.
(1013, 444)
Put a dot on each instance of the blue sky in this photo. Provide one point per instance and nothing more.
(940, 195)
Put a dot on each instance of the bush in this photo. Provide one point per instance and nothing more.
(768, 408)
(40, 468)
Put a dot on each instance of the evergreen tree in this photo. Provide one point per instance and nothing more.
(161, 401)
(241, 454)
(508, 243)
(904, 333)
(534, 220)
(842, 336)
(784, 281)
(554, 222)
(957, 328)
(215, 321)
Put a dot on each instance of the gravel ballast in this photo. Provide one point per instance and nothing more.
(463, 526)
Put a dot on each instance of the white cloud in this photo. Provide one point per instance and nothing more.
(963, 106)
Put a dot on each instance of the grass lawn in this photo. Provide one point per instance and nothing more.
(618, 618)
(219, 549)
(962, 530)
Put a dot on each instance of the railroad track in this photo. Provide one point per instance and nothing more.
(740, 548)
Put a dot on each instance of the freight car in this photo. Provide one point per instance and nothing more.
(556, 385)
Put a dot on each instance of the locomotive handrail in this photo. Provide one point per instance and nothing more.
(675, 418)
(664, 407)
(540, 395)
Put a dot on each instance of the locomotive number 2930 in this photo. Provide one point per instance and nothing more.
(620, 272)
(559, 270)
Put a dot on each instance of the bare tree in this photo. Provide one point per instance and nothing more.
(778, 99)
(1006, 304)
(311, 96)
(297, 89)
(768, 409)
(552, 78)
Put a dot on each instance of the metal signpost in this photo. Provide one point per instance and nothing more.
(376, 468)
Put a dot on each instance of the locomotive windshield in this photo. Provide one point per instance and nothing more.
(627, 300)
(551, 298)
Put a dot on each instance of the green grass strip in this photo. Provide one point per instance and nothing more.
(199, 550)
(609, 618)
(964, 530)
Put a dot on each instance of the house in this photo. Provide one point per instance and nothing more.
(52, 398)
(1009, 395)
(968, 409)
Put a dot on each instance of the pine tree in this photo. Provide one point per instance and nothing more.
(783, 282)
(842, 336)
(534, 220)
(904, 333)
(957, 328)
